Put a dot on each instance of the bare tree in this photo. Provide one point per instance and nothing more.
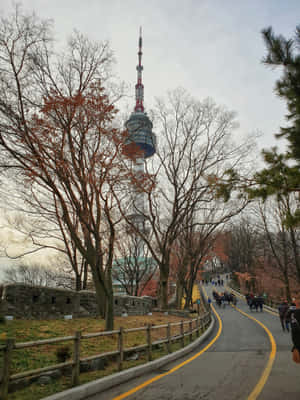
(36, 275)
(282, 241)
(131, 270)
(197, 241)
(244, 244)
(195, 247)
(42, 231)
(56, 135)
(193, 170)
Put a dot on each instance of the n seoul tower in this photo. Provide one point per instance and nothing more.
(141, 138)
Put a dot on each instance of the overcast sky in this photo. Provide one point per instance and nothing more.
(210, 47)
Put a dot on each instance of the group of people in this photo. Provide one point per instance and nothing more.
(255, 302)
(217, 281)
(289, 314)
(223, 298)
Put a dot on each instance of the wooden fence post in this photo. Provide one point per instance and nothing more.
(191, 328)
(76, 359)
(121, 347)
(198, 325)
(207, 321)
(182, 333)
(149, 343)
(169, 337)
(7, 358)
(202, 324)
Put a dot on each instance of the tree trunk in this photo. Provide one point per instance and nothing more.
(287, 286)
(77, 282)
(163, 287)
(179, 294)
(286, 269)
(295, 247)
(85, 275)
(109, 317)
(188, 299)
(100, 293)
(109, 314)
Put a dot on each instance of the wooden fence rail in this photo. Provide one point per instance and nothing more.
(200, 324)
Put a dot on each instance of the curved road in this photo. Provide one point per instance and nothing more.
(237, 366)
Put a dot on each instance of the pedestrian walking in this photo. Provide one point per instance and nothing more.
(228, 297)
(294, 314)
(248, 299)
(255, 303)
(260, 302)
(223, 299)
(287, 320)
(283, 310)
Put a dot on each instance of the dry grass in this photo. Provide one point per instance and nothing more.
(40, 356)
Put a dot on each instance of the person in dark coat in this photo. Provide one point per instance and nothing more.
(255, 303)
(260, 302)
(287, 320)
(251, 302)
(294, 315)
(248, 299)
(283, 310)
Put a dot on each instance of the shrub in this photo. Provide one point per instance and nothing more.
(63, 353)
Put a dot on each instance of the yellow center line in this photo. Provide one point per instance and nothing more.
(156, 378)
(266, 372)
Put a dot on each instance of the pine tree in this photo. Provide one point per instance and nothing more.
(285, 53)
(281, 177)
(282, 174)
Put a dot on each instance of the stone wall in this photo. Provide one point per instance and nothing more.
(36, 302)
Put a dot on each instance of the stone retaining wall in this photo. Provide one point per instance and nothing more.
(36, 302)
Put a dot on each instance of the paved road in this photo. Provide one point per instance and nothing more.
(230, 369)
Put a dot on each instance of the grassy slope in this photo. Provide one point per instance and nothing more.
(27, 330)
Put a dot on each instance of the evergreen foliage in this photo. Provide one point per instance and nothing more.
(282, 176)
(286, 53)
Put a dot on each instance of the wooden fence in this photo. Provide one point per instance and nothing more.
(154, 335)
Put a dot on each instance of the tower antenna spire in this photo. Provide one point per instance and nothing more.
(139, 87)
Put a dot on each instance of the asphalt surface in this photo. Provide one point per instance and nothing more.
(230, 368)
